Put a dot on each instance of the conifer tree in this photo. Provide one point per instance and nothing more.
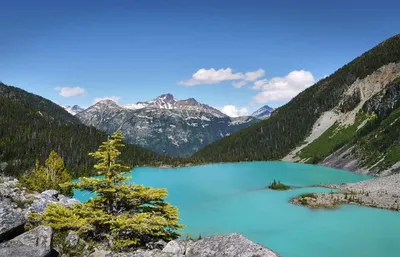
(49, 176)
(121, 215)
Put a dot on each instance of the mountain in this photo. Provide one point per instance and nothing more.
(263, 113)
(168, 101)
(349, 120)
(165, 125)
(74, 109)
(31, 126)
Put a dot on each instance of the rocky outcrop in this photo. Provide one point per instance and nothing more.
(16, 203)
(233, 245)
(34, 243)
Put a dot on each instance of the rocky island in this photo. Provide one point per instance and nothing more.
(383, 193)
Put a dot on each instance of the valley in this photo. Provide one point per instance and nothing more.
(199, 129)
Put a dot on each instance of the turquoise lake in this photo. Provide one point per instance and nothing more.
(227, 198)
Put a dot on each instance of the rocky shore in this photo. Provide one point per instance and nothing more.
(16, 203)
(383, 193)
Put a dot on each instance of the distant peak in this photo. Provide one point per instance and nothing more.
(168, 97)
(106, 101)
(191, 101)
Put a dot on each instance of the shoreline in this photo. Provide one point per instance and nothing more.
(381, 193)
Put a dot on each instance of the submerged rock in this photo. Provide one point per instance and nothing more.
(34, 243)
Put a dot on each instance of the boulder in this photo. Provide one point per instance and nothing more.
(34, 243)
(12, 220)
(176, 247)
(50, 194)
(227, 246)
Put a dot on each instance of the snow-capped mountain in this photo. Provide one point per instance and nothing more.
(263, 113)
(168, 101)
(165, 125)
(73, 109)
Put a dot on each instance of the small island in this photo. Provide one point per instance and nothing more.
(278, 186)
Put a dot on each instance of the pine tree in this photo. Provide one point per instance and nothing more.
(121, 215)
(49, 176)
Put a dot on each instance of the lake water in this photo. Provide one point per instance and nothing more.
(227, 198)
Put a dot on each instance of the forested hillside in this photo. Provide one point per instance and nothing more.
(31, 126)
(289, 125)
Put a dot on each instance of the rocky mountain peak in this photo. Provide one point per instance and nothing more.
(263, 113)
(166, 97)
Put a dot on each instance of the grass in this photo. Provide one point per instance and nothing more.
(331, 140)
(278, 186)
(382, 143)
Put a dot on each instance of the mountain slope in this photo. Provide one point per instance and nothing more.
(263, 113)
(32, 126)
(165, 125)
(336, 105)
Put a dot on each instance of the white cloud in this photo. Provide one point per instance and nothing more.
(113, 98)
(282, 88)
(240, 83)
(212, 76)
(249, 76)
(70, 91)
(234, 111)
(254, 75)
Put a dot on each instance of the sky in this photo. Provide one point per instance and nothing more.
(234, 55)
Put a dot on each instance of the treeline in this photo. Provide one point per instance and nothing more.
(31, 127)
(290, 124)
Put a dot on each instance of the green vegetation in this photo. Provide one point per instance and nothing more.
(331, 140)
(380, 145)
(31, 127)
(122, 215)
(278, 186)
(288, 126)
(310, 195)
(49, 176)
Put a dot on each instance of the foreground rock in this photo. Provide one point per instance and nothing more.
(233, 245)
(383, 192)
(16, 203)
(34, 243)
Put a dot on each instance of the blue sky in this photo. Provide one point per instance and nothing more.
(137, 50)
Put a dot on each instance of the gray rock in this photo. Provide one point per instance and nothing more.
(34, 243)
(39, 205)
(12, 220)
(72, 239)
(50, 194)
(177, 247)
(234, 245)
(68, 201)
(100, 253)
(160, 244)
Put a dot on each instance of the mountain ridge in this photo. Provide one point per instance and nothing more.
(165, 125)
